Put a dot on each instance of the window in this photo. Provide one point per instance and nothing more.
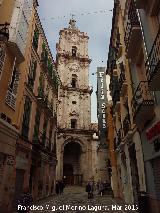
(13, 86)
(32, 74)
(41, 86)
(50, 136)
(74, 81)
(73, 123)
(74, 102)
(36, 126)
(44, 54)
(44, 131)
(2, 57)
(22, 31)
(74, 51)
(26, 117)
(35, 39)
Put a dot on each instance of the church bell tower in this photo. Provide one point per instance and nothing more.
(74, 110)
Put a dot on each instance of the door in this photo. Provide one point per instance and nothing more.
(18, 184)
(134, 173)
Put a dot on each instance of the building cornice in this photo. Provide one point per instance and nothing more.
(85, 90)
(76, 131)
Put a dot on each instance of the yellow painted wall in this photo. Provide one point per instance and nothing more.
(6, 10)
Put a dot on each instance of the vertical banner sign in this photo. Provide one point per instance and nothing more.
(101, 104)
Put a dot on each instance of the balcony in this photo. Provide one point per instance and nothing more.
(142, 105)
(122, 81)
(41, 141)
(16, 43)
(153, 65)
(11, 99)
(132, 32)
(43, 101)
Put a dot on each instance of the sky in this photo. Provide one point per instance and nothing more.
(55, 15)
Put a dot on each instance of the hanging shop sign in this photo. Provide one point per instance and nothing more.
(101, 103)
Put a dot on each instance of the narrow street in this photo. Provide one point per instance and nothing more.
(75, 198)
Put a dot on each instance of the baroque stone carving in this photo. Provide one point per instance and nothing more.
(74, 68)
(74, 113)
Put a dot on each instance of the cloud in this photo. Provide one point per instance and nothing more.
(97, 25)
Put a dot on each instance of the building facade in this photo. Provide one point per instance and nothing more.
(112, 158)
(75, 135)
(149, 16)
(133, 64)
(130, 163)
(28, 104)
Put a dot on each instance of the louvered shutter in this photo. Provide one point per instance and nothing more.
(16, 82)
(2, 57)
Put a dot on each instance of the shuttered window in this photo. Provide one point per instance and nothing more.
(13, 87)
(36, 126)
(23, 24)
(32, 74)
(2, 57)
(26, 117)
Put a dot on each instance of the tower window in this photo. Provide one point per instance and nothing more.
(73, 123)
(74, 102)
(74, 51)
(73, 83)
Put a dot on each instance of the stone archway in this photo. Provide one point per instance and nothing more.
(72, 168)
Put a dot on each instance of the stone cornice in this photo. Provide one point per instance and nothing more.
(79, 58)
(73, 31)
(8, 129)
(76, 131)
(83, 90)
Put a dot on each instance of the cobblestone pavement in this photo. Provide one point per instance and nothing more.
(75, 198)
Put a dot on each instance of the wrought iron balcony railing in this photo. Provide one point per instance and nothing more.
(132, 30)
(142, 104)
(153, 64)
(11, 99)
(42, 141)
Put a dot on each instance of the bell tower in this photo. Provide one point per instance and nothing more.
(74, 109)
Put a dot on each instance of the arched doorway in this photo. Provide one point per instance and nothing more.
(72, 173)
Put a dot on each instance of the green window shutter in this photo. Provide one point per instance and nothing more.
(36, 126)
(26, 117)
(34, 70)
(32, 74)
(43, 46)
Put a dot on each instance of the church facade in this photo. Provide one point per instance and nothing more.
(76, 145)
